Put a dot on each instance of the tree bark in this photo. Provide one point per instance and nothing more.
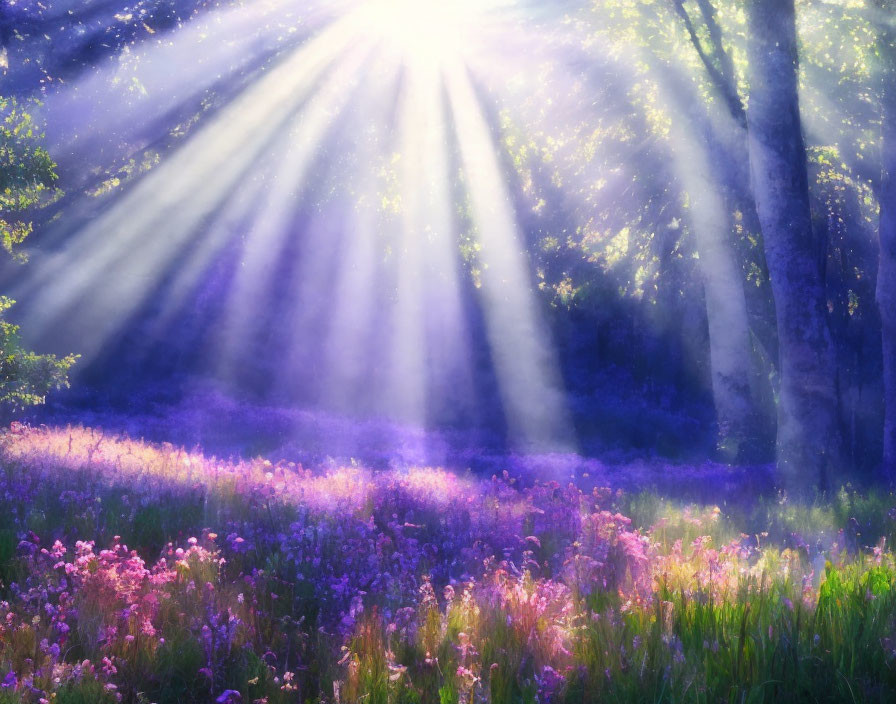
(808, 443)
(886, 277)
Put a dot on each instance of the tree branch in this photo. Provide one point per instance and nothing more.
(726, 65)
(723, 79)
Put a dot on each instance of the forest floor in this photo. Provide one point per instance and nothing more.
(143, 572)
(220, 424)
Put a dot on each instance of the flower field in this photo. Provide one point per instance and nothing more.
(145, 573)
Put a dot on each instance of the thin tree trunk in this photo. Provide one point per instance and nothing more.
(886, 277)
(719, 128)
(809, 445)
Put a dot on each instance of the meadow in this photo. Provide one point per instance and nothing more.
(140, 572)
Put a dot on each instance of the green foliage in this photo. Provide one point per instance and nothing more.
(86, 691)
(764, 643)
(27, 377)
(27, 175)
(26, 169)
(177, 664)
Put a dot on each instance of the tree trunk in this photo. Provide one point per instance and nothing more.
(808, 442)
(714, 144)
(886, 277)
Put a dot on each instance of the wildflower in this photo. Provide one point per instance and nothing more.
(147, 629)
(549, 683)
(467, 675)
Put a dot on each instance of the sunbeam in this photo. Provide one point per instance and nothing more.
(525, 364)
(241, 192)
(177, 197)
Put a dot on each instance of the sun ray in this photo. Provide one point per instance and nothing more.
(525, 363)
(288, 185)
(351, 373)
(144, 230)
(375, 311)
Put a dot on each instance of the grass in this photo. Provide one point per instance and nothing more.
(144, 573)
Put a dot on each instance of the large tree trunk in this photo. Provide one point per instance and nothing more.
(886, 277)
(808, 443)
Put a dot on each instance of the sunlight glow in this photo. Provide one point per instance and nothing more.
(525, 362)
(424, 30)
(306, 225)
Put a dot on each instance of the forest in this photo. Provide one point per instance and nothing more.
(447, 351)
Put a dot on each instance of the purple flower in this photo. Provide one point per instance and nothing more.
(549, 684)
(229, 696)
